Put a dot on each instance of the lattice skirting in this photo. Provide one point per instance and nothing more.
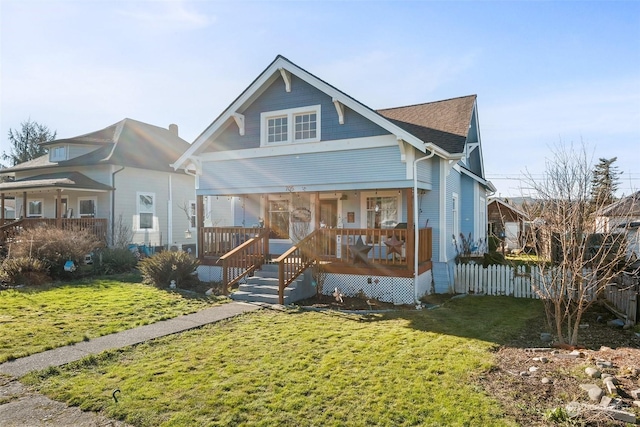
(397, 290)
(208, 273)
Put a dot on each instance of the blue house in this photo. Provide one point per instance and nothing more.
(315, 177)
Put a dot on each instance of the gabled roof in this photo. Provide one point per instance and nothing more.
(502, 203)
(445, 123)
(127, 143)
(69, 180)
(627, 206)
(422, 134)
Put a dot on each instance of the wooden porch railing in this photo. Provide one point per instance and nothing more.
(296, 260)
(243, 260)
(217, 241)
(95, 226)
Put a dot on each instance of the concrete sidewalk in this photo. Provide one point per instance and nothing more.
(63, 355)
(23, 407)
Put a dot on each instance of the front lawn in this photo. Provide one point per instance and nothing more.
(302, 368)
(37, 319)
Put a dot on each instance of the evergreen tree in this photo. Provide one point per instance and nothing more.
(25, 144)
(604, 182)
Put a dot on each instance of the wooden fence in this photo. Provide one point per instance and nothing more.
(521, 282)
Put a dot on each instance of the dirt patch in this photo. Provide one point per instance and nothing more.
(524, 396)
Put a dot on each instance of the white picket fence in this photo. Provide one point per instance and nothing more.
(493, 280)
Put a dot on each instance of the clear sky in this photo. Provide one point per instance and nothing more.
(544, 71)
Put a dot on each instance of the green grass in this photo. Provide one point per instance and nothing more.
(300, 368)
(37, 319)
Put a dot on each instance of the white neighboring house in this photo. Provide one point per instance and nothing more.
(623, 216)
(121, 171)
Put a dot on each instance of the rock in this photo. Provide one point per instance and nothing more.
(524, 374)
(533, 369)
(605, 348)
(605, 401)
(616, 323)
(546, 380)
(595, 394)
(602, 364)
(587, 387)
(576, 353)
(635, 393)
(592, 372)
(611, 387)
(636, 403)
(545, 337)
(611, 379)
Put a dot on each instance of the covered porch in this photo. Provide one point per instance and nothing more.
(388, 249)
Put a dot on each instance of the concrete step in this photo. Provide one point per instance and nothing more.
(253, 297)
(271, 289)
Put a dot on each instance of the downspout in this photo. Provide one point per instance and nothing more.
(416, 245)
(113, 203)
(170, 214)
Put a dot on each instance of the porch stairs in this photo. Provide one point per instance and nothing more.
(263, 287)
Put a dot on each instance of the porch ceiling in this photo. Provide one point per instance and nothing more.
(54, 181)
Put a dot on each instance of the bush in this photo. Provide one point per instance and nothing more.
(494, 243)
(493, 258)
(24, 271)
(54, 247)
(114, 261)
(159, 269)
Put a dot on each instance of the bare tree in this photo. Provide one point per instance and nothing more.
(122, 233)
(582, 262)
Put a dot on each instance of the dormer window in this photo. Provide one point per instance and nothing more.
(57, 154)
(295, 125)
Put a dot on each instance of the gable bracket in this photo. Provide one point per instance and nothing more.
(339, 110)
(286, 76)
(239, 119)
(472, 146)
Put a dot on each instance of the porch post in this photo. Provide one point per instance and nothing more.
(2, 208)
(199, 225)
(316, 225)
(24, 204)
(58, 208)
(410, 245)
(267, 225)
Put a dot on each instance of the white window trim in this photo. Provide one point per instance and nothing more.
(54, 155)
(95, 207)
(290, 114)
(154, 220)
(455, 215)
(280, 198)
(367, 194)
(29, 214)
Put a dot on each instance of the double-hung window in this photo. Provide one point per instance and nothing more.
(87, 207)
(146, 205)
(34, 209)
(291, 126)
(57, 154)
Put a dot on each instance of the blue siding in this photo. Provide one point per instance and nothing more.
(302, 94)
(453, 186)
(467, 207)
(372, 168)
(428, 204)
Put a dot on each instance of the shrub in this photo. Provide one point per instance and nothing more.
(493, 258)
(161, 268)
(114, 260)
(494, 243)
(54, 247)
(24, 271)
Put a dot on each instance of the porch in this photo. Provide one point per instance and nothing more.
(9, 229)
(241, 251)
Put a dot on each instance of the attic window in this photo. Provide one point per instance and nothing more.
(58, 153)
(290, 126)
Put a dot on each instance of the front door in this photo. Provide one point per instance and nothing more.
(329, 219)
